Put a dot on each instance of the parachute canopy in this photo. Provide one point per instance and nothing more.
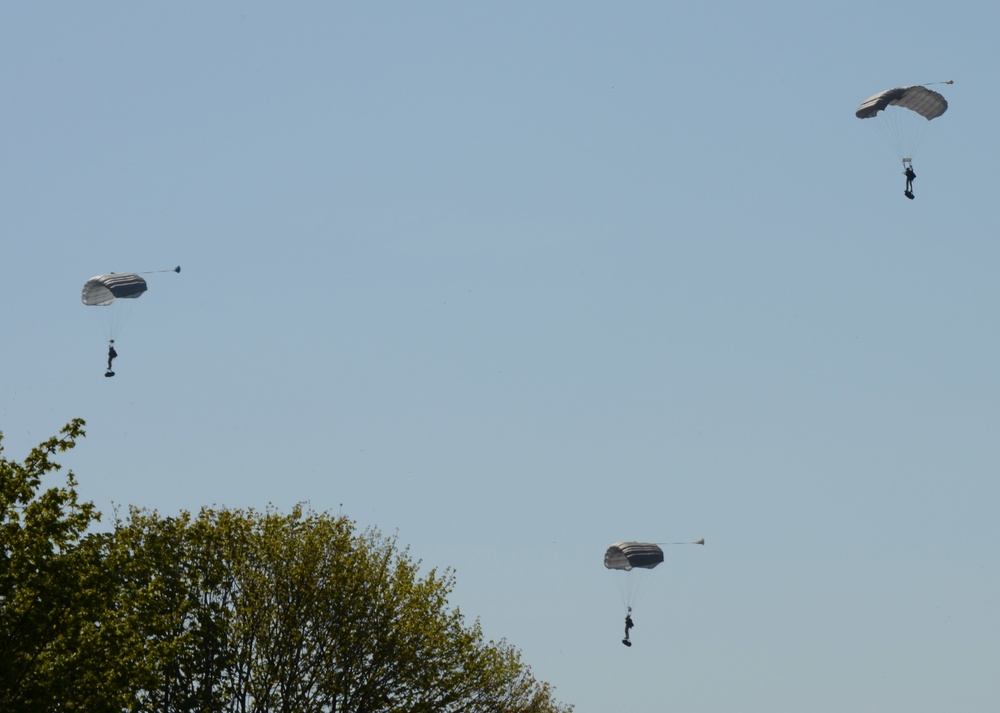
(102, 290)
(901, 115)
(926, 102)
(628, 555)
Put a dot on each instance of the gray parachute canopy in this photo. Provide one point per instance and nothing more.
(102, 290)
(628, 555)
(926, 102)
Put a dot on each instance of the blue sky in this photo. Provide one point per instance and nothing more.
(520, 280)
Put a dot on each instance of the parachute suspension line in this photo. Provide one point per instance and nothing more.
(118, 316)
(626, 588)
(633, 585)
(901, 130)
(917, 137)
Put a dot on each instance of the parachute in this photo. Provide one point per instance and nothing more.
(926, 102)
(628, 555)
(901, 115)
(631, 562)
(115, 293)
(102, 290)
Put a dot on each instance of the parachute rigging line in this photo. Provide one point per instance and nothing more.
(152, 272)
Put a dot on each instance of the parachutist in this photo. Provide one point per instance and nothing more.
(628, 625)
(111, 357)
(910, 175)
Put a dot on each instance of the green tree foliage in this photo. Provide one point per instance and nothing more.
(52, 586)
(169, 615)
(252, 612)
(233, 611)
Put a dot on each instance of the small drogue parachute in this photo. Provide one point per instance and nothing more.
(901, 115)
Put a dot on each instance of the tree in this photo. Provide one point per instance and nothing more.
(298, 612)
(229, 611)
(171, 605)
(52, 587)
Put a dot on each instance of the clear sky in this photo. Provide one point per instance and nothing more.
(519, 280)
